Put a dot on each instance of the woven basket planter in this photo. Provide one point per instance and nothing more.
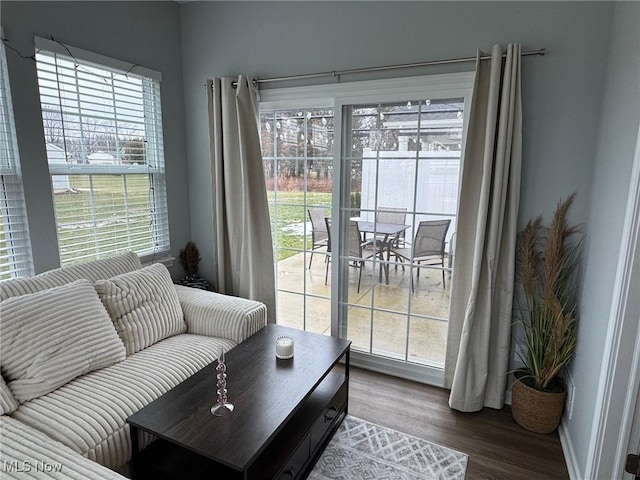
(534, 410)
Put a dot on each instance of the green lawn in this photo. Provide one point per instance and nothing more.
(75, 216)
(291, 211)
(74, 213)
(80, 215)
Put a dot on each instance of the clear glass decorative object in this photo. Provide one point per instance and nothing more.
(222, 408)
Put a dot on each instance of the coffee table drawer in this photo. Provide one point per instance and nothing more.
(297, 461)
(333, 410)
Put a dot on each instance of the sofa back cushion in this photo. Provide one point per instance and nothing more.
(50, 337)
(143, 306)
(8, 402)
(92, 271)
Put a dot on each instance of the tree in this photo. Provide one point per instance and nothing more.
(53, 131)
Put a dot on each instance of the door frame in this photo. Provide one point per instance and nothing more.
(620, 375)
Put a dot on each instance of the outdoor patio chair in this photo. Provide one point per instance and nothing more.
(396, 216)
(319, 235)
(428, 247)
(359, 251)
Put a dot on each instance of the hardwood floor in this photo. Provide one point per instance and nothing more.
(498, 448)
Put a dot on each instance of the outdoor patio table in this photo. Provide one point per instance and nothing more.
(389, 233)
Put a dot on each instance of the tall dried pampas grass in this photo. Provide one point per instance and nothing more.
(547, 262)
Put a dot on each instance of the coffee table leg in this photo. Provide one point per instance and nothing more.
(134, 450)
(347, 361)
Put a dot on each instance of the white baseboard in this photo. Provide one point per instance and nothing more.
(575, 473)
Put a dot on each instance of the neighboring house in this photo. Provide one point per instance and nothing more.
(101, 158)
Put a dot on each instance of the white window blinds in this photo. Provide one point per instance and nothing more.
(15, 248)
(103, 132)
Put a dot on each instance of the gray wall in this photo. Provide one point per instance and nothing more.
(146, 33)
(561, 90)
(564, 138)
(618, 133)
(562, 94)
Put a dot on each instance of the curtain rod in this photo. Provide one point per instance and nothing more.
(540, 51)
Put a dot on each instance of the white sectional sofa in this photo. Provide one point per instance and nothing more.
(83, 347)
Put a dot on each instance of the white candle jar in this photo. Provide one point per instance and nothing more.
(284, 348)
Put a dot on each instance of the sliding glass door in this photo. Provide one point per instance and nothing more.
(402, 160)
(363, 183)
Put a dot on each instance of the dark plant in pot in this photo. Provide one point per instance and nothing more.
(547, 264)
(190, 259)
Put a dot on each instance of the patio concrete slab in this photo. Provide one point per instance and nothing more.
(381, 318)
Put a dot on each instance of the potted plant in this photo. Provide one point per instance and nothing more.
(547, 263)
(190, 259)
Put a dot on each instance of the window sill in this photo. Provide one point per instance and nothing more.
(163, 258)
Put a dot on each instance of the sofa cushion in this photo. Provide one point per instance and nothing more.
(28, 453)
(88, 414)
(92, 271)
(50, 337)
(143, 305)
(8, 402)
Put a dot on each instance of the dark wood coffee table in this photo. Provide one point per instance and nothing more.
(285, 413)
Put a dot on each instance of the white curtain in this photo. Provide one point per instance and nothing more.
(243, 247)
(477, 358)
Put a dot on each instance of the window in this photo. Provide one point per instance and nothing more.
(103, 132)
(15, 248)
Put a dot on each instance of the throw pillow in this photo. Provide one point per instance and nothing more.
(50, 337)
(143, 305)
(92, 271)
(8, 403)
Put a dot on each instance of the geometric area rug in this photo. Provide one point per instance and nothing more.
(361, 450)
